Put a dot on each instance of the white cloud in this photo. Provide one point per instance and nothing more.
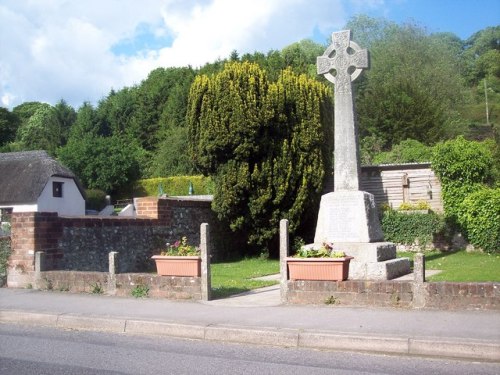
(54, 49)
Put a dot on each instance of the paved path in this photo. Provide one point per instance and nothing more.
(459, 334)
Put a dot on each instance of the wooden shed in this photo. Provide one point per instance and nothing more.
(394, 184)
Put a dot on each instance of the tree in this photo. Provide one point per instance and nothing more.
(9, 123)
(116, 112)
(265, 144)
(171, 157)
(101, 162)
(413, 88)
(301, 56)
(481, 53)
(66, 117)
(42, 131)
(105, 163)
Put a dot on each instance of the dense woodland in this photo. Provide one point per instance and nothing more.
(262, 120)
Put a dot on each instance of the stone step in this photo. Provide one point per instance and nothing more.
(385, 270)
(367, 252)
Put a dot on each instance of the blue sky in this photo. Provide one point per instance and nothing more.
(79, 50)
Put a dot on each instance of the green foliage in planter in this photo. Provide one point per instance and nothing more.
(407, 228)
(176, 185)
(96, 199)
(480, 214)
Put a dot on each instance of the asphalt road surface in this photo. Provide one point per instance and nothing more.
(44, 351)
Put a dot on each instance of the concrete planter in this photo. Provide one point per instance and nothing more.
(326, 269)
(178, 265)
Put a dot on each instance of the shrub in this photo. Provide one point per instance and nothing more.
(463, 167)
(480, 214)
(96, 199)
(410, 228)
(420, 205)
(176, 185)
(463, 161)
(5, 251)
(408, 151)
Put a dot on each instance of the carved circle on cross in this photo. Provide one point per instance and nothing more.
(341, 62)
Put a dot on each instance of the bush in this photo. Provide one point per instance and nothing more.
(420, 205)
(96, 199)
(480, 214)
(177, 185)
(463, 167)
(463, 161)
(410, 228)
(409, 151)
(5, 251)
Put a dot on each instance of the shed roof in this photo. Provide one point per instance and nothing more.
(23, 176)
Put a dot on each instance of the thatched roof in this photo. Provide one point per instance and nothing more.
(23, 176)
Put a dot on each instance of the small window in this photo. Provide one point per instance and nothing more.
(57, 189)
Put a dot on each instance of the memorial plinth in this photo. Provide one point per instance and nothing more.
(348, 217)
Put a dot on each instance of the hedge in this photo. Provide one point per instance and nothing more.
(480, 214)
(96, 199)
(409, 228)
(172, 186)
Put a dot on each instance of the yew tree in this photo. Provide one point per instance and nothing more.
(266, 145)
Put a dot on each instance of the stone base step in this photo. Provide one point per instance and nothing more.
(385, 270)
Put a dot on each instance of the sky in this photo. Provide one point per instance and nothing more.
(78, 50)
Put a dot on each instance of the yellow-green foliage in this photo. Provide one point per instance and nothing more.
(267, 145)
(177, 185)
(420, 205)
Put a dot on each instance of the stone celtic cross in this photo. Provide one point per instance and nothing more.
(348, 60)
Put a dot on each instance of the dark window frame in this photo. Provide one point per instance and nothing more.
(57, 189)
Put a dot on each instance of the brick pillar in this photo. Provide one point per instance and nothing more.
(21, 268)
(147, 207)
(154, 208)
(32, 232)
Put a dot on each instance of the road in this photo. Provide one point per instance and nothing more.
(40, 351)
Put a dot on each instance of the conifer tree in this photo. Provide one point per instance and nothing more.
(265, 144)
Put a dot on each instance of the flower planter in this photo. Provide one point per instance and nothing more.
(326, 269)
(178, 265)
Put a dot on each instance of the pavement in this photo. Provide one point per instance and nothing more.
(258, 318)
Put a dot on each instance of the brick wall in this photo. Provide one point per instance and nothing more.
(83, 243)
(351, 293)
(441, 295)
(170, 287)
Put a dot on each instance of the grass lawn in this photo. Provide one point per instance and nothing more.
(461, 266)
(235, 277)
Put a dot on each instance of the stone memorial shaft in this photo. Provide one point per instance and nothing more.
(347, 216)
(348, 60)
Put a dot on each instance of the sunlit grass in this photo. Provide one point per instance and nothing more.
(236, 277)
(461, 265)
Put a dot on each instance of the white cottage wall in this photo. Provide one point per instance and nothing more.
(70, 204)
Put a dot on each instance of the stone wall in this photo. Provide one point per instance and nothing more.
(439, 295)
(170, 287)
(83, 243)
